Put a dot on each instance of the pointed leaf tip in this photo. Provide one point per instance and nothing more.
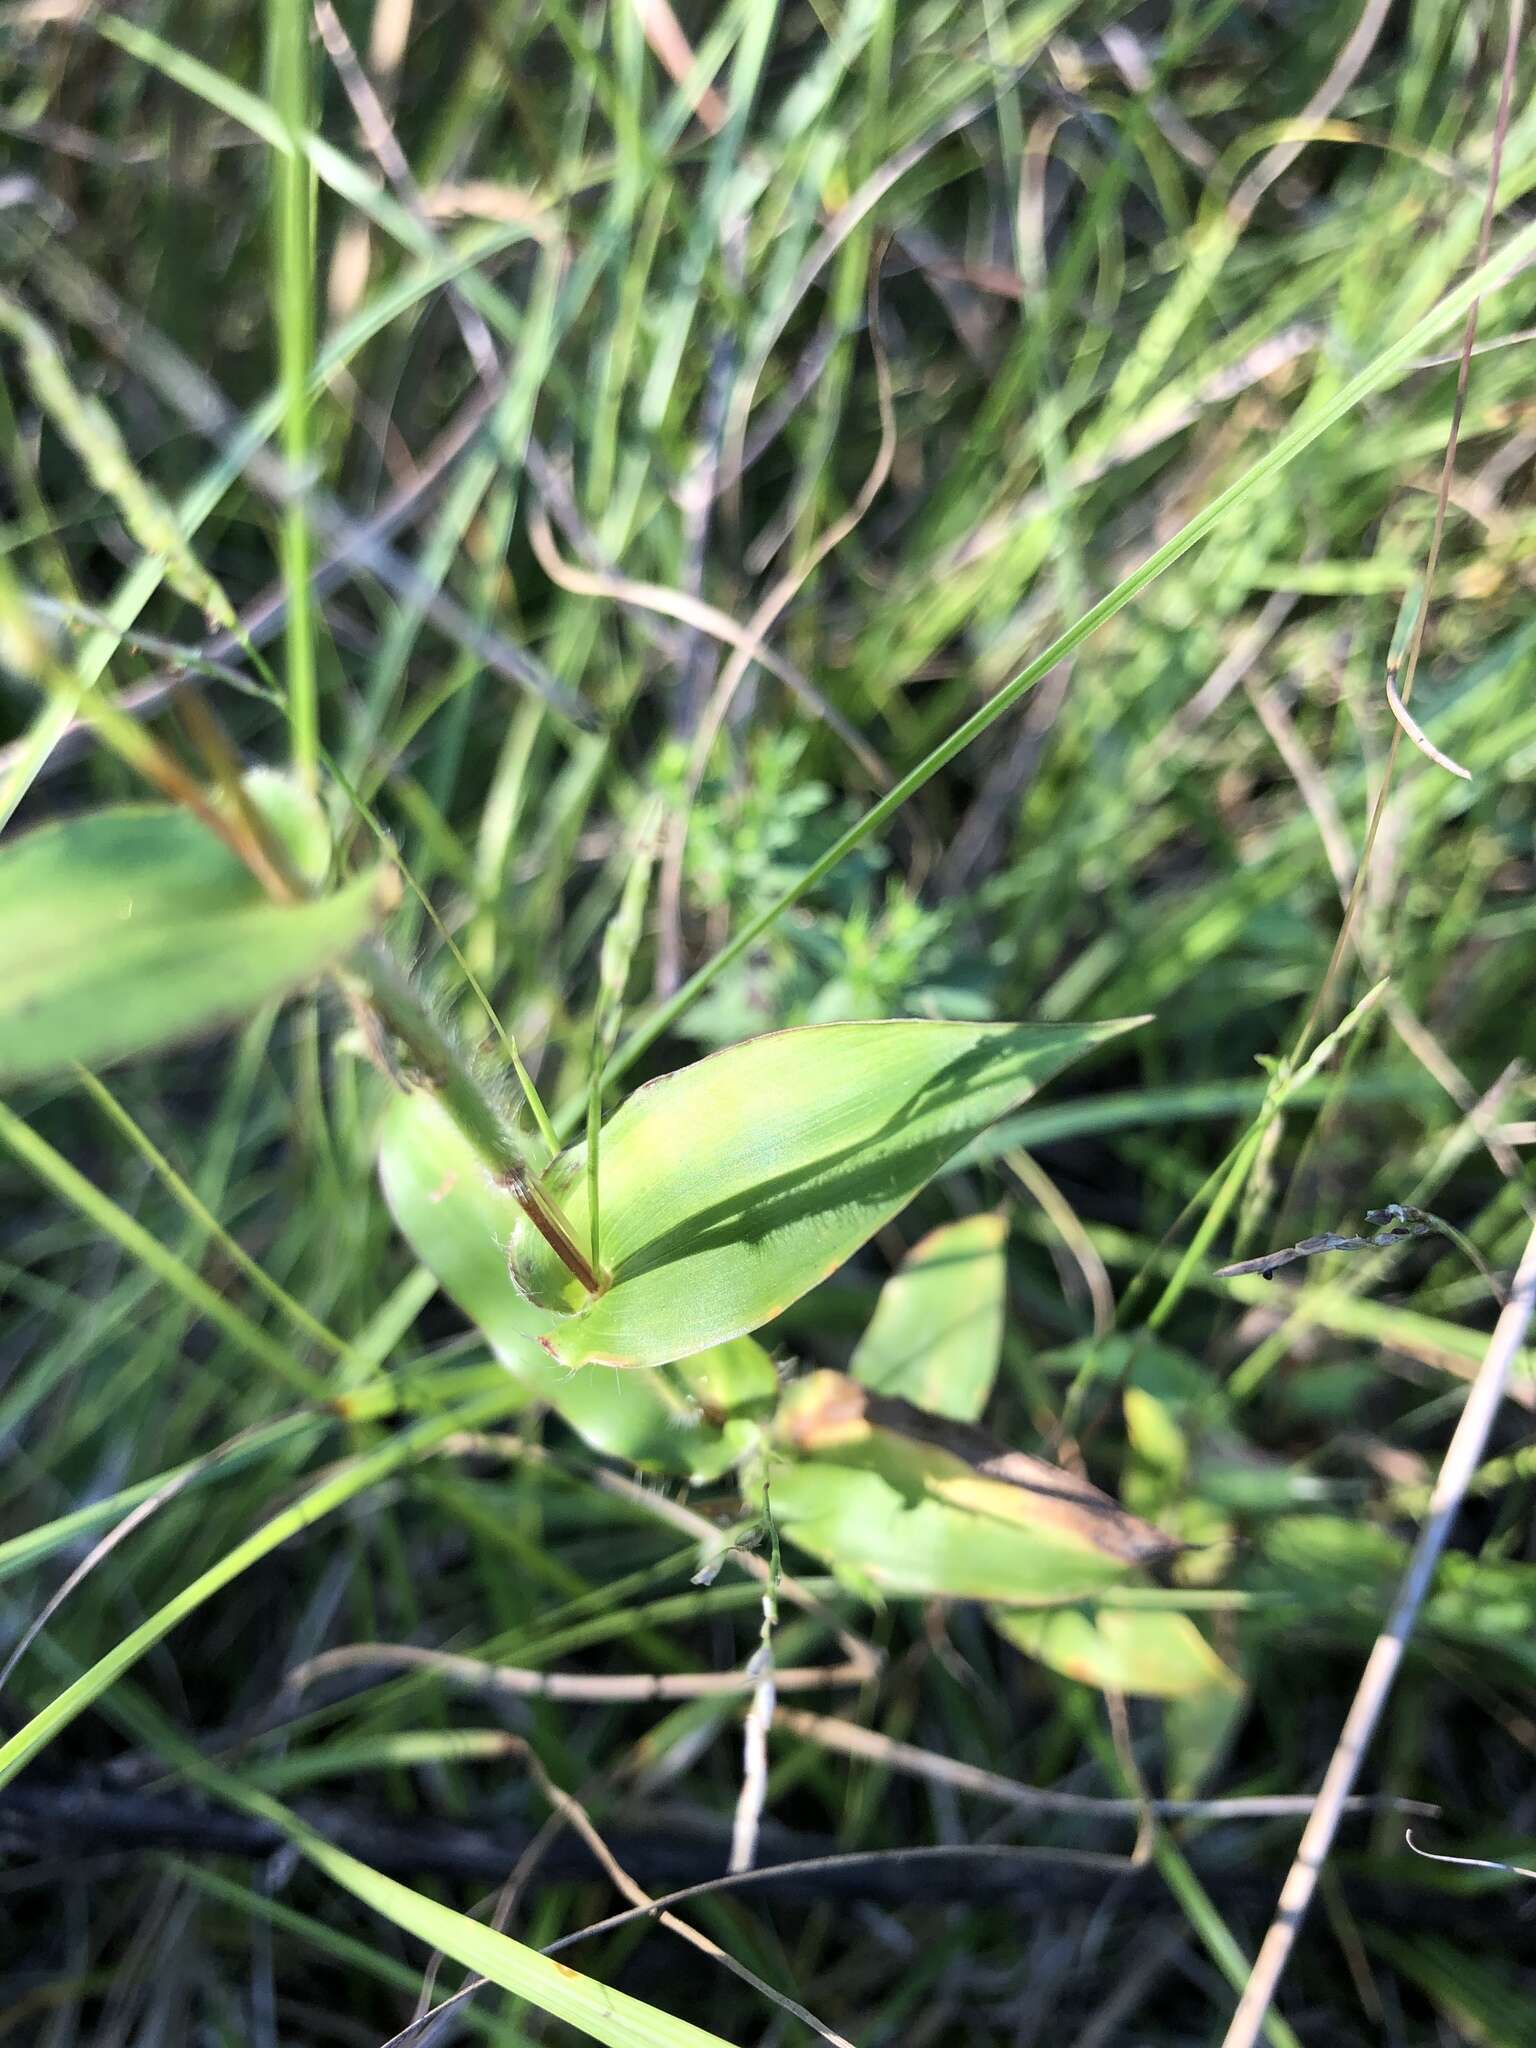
(1153, 1654)
(731, 1187)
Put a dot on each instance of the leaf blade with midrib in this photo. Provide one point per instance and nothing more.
(731, 1187)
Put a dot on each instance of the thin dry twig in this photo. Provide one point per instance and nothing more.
(1343, 72)
(1418, 735)
(1118, 1715)
(868, 1745)
(1468, 1862)
(1461, 1461)
(574, 1813)
(1477, 1110)
(704, 618)
(379, 138)
(753, 1796)
(910, 1860)
(1308, 778)
(1130, 60)
(664, 32)
(586, 1688)
(1484, 348)
(571, 1813)
(1235, 664)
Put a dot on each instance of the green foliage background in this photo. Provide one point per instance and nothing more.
(1112, 271)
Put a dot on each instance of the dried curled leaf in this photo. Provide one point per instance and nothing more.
(915, 1503)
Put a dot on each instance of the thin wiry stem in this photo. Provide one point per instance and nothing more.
(388, 990)
(1461, 1461)
(1442, 500)
(1467, 1445)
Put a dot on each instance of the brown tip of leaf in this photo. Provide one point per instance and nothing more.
(1059, 1498)
(826, 1410)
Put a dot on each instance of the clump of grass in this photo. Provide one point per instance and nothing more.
(626, 285)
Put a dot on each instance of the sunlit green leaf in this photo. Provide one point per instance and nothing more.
(731, 1187)
(693, 1419)
(937, 1329)
(908, 1503)
(1153, 1652)
(135, 927)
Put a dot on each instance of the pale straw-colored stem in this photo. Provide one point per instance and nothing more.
(1461, 1461)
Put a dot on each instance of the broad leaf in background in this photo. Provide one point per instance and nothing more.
(1199, 1730)
(694, 1419)
(900, 1502)
(135, 927)
(730, 1188)
(937, 1329)
(1158, 1654)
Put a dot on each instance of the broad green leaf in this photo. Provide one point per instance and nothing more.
(905, 1503)
(135, 927)
(730, 1188)
(1158, 1654)
(695, 1419)
(937, 1329)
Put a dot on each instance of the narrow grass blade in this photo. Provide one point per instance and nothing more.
(1392, 362)
(353, 1478)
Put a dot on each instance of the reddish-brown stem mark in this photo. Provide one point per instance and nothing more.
(552, 1227)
